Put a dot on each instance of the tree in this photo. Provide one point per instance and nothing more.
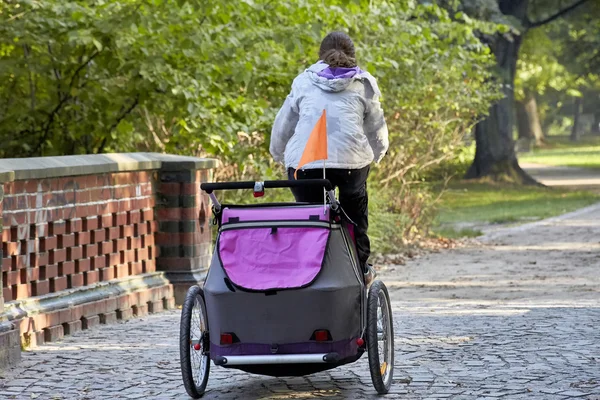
(495, 154)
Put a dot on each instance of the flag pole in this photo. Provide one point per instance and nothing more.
(324, 192)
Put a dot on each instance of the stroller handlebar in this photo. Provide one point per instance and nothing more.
(210, 187)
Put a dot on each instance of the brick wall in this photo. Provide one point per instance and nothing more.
(64, 233)
(93, 239)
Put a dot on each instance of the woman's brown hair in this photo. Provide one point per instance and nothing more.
(337, 50)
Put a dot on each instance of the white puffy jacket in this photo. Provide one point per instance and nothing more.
(357, 132)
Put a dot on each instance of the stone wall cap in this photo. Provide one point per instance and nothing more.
(59, 166)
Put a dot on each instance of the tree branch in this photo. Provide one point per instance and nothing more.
(557, 15)
(124, 114)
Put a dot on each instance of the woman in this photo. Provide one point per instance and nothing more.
(357, 133)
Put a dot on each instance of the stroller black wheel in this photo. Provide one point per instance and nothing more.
(193, 343)
(380, 337)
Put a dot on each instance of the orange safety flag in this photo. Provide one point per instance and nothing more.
(316, 146)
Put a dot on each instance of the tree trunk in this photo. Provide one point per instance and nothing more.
(495, 155)
(596, 125)
(576, 116)
(528, 121)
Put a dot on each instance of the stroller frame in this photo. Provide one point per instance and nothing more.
(369, 325)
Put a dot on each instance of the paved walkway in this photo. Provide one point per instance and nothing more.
(576, 178)
(513, 317)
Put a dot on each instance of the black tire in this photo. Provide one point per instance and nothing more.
(381, 362)
(194, 318)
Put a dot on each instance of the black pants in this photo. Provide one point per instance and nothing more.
(352, 185)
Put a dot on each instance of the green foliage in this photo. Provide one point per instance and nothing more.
(206, 78)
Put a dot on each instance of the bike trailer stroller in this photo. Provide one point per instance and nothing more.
(284, 294)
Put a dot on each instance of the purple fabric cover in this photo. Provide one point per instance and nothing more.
(263, 259)
(345, 348)
(339, 73)
(275, 214)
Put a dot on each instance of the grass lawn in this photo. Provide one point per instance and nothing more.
(560, 151)
(485, 203)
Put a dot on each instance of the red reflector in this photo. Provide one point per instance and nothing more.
(226, 338)
(360, 342)
(321, 336)
(259, 194)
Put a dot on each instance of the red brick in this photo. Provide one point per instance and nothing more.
(74, 225)
(40, 288)
(113, 233)
(169, 214)
(155, 306)
(149, 266)
(58, 284)
(58, 255)
(22, 291)
(134, 242)
(127, 256)
(48, 271)
(141, 229)
(107, 220)
(108, 318)
(10, 248)
(125, 314)
(141, 254)
(11, 278)
(53, 333)
(53, 318)
(67, 240)
(152, 253)
(147, 240)
(83, 265)
(153, 225)
(125, 205)
(91, 277)
(106, 247)
(6, 264)
(75, 280)
(134, 217)
(74, 253)
(111, 206)
(140, 310)
(121, 218)
(148, 214)
(66, 268)
(119, 245)
(98, 262)
(56, 228)
(90, 250)
(127, 230)
(48, 243)
(107, 274)
(113, 259)
(90, 223)
(98, 235)
(121, 271)
(165, 238)
(7, 294)
(169, 303)
(38, 259)
(29, 274)
(90, 322)
(81, 211)
(72, 327)
(82, 238)
(136, 268)
(123, 302)
(111, 304)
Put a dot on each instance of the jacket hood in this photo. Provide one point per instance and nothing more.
(332, 79)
